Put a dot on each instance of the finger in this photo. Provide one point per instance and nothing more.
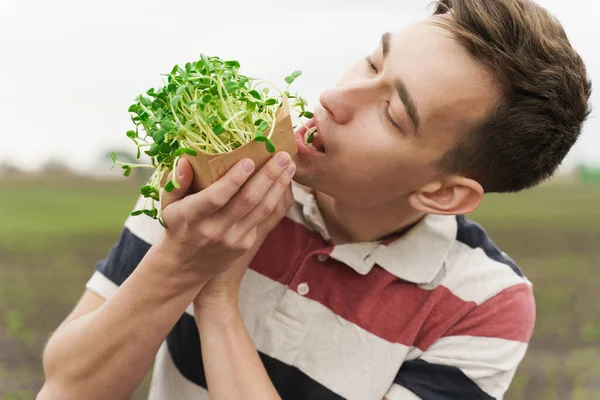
(286, 202)
(185, 175)
(253, 192)
(218, 194)
(269, 205)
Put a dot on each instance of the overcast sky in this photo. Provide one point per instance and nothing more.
(70, 69)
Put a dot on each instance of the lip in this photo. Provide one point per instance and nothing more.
(299, 134)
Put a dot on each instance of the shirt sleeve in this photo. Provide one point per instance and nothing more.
(478, 357)
(138, 235)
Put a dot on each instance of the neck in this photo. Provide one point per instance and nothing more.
(348, 224)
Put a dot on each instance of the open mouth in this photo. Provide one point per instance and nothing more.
(313, 140)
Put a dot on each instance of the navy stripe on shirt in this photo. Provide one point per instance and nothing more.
(123, 258)
(291, 383)
(438, 382)
(474, 236)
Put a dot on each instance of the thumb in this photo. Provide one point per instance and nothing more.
(185, 175)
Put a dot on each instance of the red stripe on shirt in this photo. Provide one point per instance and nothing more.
(381, 303)
(508, 315)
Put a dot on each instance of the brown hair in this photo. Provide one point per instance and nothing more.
(524, 139)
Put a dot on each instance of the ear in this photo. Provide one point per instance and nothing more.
(454, 196)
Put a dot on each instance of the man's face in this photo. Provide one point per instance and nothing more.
(392, 114)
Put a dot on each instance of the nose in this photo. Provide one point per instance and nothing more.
(344, 101)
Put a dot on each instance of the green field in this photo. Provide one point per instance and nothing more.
(53, 230)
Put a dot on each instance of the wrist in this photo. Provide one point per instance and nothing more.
(213, 313)
(170, 266)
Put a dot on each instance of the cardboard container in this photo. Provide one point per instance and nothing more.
(210, 167)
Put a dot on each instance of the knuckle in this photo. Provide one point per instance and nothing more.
(237, 179)
(248, 199)
(268, 208)
(271, 173)
(211, 234)
(216, 201)
(282, 184)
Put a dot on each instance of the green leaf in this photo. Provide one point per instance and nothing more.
(158, 137)
(310, 137)
(167, 125)
(270, 102)
(250, 106)
(175, 100)
(113, 156)
(258, 121)
(218, 129)
(233, 64)
(151, 213)
(200, 65)
(133, 108)
(306, 114)
(175, 69)
(147, 190)
(296, 74)
(232, 86)
(153, 150)
(165, 148)
(172, 88)
(144, 116)
(255, 94)
(136, 213)
(207, 98)
(289, 79)
(270, 146)
(180, 89)
(263, 126)
(169, 187)
(260, 138)
(127, 172)
(185, 150)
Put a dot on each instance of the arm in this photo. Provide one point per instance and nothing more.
(106, 352)
(233, 367)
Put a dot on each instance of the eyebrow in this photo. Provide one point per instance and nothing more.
(403, 93)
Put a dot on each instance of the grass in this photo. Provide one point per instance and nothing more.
(54, 230)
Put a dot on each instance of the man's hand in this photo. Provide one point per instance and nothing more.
(216, 229)
(223, 290)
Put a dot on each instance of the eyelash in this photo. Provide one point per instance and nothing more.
(387, 111)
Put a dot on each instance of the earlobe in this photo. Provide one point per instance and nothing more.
(456, 196)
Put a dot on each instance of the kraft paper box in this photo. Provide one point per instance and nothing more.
(210, 167)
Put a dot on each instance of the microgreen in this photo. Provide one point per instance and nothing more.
(205, 106)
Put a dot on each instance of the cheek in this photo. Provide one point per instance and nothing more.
(380, 171)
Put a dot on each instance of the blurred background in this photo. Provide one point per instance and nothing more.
(70, 70)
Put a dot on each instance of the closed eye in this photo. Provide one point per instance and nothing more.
(387, 110)
(370, 63)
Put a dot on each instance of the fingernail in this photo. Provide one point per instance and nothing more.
(248, 165)
(283, 159)
(179, 170)
(291, 169)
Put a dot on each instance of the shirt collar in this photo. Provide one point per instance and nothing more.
(417, 256)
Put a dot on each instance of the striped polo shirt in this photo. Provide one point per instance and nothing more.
(437, 313)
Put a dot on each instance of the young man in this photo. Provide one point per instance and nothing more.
(373, 285)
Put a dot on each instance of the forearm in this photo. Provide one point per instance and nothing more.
(231, 363)
(106, 353)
